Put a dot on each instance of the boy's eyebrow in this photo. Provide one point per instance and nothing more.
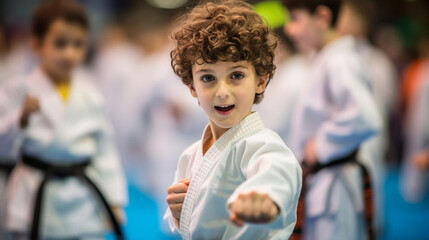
(231, 68)
(203, 70)
(238, 66)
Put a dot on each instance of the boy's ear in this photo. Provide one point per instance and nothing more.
(192, 90)
(323, 16)
(262, 83)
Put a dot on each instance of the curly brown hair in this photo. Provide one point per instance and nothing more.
(223, 31)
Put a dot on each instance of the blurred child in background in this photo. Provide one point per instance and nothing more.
(415, 102)
(55, 119)
(356, 19)
(336, 116)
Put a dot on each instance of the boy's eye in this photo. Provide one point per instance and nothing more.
(78, 44)
(60, 43)
(237, 76)
(207, 78)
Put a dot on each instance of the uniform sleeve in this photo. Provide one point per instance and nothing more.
(270, 167)
(11, 100)
(353, 113)
(107, 164)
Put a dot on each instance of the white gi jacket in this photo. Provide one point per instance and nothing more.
(248, 157)
(339, 113)
(60, 133)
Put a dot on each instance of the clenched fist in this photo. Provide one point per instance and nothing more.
(31, 105)
(176, 197)
(253, 207)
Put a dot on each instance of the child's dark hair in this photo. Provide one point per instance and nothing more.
(50, 10)
(223, 31)
(311, 6)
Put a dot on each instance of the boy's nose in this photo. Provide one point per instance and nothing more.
(223, 90)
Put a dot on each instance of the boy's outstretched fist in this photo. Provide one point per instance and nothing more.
(31, 105)
(253, 207)
(176, 197)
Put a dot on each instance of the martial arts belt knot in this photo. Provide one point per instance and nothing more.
(76, 170)
(366, 189)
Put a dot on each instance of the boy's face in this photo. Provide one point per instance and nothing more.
(63, 48)
(304, 29)
(226, 90)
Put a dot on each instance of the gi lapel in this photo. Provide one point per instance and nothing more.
(50, 102)
(248, 125)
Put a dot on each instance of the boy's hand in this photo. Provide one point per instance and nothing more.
(253, 207)
(421, 160)
(31, 105)
(176, 197)
(310, 156)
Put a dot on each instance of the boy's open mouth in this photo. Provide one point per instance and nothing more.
(224, 109)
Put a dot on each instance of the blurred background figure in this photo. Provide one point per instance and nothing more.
(150, 109)
(356, 19)
(415, 110)
(416, 159)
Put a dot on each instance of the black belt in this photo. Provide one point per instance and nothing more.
(62, 171)
(366, 187)
(7, 166)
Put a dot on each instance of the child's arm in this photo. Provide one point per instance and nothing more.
(272, 186)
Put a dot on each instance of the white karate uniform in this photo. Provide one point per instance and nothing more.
(282, 96)
(414, 181)
(373, 152)
(338, 112)
(248, 157)
(60, 133)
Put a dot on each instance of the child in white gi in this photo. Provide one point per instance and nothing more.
(55, 119)
(337, 114)
(240, 181)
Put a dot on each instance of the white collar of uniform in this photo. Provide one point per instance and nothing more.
(251, 123)
(51, 104)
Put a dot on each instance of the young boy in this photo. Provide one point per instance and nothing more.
(56, 121)
(240, 181)
(336, 116)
